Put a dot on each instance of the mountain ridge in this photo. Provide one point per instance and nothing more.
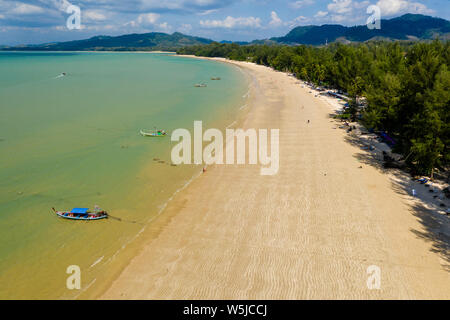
(399, 28)
(405, 27)
(126, 42)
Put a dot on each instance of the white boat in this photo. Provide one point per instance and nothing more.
(153, 133)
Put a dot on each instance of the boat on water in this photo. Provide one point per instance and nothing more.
(200, 85)
(216, 78)
(60, 75)
(82, 214)
(153, 133)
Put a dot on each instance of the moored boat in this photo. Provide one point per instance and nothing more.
(82, 214)
(153, 133)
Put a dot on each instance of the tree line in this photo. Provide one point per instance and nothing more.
(406, 86)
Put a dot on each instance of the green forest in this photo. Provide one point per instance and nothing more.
(406, 86)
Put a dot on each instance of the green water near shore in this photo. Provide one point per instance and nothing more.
(74, 141)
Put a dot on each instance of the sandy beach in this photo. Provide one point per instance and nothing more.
(309, 232)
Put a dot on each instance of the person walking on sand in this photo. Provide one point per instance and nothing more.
(308, 121)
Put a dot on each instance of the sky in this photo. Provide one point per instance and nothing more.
(42, 21)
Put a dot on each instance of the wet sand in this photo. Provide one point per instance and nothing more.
(309, 232)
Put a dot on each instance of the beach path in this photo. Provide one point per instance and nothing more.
(309, 232)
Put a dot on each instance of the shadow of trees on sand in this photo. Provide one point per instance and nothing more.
(435, 232)
(429, 210)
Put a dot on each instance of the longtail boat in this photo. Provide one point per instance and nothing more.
(82, 214)
(153, 133)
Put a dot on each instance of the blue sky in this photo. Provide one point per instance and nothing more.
(39, 21)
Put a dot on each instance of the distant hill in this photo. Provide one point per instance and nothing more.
(129, 42)
(406, 27)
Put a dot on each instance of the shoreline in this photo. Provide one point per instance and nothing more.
(132, 246)
(291, 246)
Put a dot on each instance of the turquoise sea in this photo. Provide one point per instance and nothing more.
(73, 141)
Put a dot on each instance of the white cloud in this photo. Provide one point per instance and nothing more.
(275, 20)
(91, 15)
(164, 27)
(148, 18)
(320, 14)
(392, 7)
(34, 14)
(61, 5)
(149, 21)
(185, 28)
(183, 5)
(301, 3)
(206, 12)
(231, 23)
(23, 8)
(345, 11)
(299, 20)
(340, 6)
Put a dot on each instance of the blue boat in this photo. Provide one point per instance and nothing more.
(82, 214)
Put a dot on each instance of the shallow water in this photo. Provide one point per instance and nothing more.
(68, 141)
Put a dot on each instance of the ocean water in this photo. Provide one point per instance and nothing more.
(74, 141)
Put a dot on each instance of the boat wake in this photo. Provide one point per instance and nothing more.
(97, 261)
(60, 75)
